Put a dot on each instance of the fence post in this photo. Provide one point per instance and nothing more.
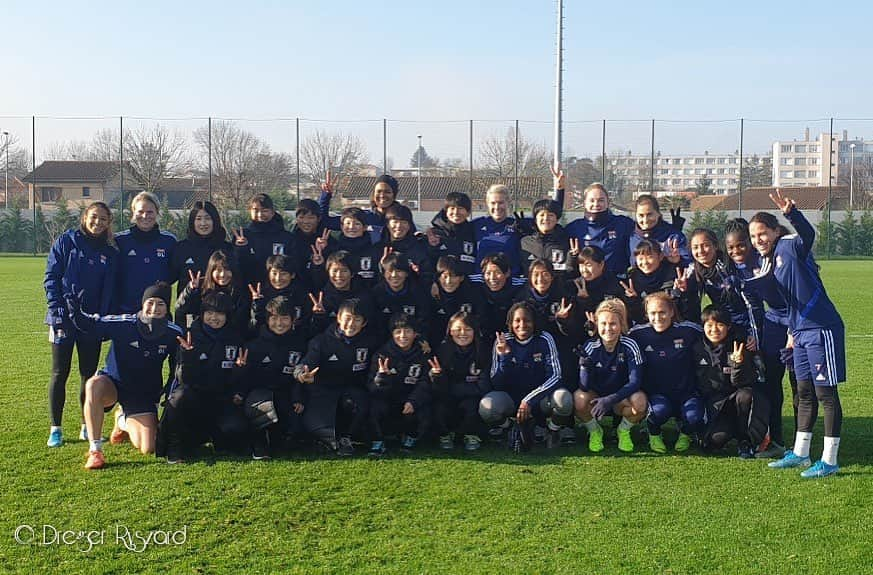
(121, 162)
(740, 187)
(652, 160)
(384, 145)
(515, 187)
(297, 154)
(471, 160)
(830, 185)
(209, 151)
(33, 165)
(603, 153)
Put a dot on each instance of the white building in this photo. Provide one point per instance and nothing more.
(802, 162)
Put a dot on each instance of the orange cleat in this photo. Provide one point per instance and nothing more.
(95, 460)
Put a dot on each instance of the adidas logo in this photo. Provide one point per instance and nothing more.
(333, 358)
(820, 377)
(386, 310)
(131, 252)
(189, 261)
(703, 361)
(134, 344)
(648, 348)
(443, 247)
(204, 356)
(598, 364)
(266, 359)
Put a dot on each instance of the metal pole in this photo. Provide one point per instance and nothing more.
(6, 188)
(209, 145)
(851, 176)
(121, 161)
(297, 154)
(559, 64)
(419, 172)
(830, 185)
(33, 165)
(515, 185)
(384, 145)
(603, 153)
(471, 160)
(740, 186)
(652, 159)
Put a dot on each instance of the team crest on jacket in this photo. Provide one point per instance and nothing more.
(293, 358)
(413, 374)
(612, 234)
(558, 256)
(102, 259)
(466, 307)
(679, 343)
(538, 357)
(778, 261)
(474, 370)
(278, 249)
(366, 263)
(468, 248)
(161, 253)
(409, 309)
(361, 354)
(230, 352)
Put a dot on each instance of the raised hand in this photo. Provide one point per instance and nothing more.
(317, 304)
(589, 315)
(574, 247)
(558, 177)
(408, 409)
(564, 311)
(322, 240)
(502, 347)
(327, 185)
(307, 376)
(581, 288)
(194, 279)
(255, 291)
(297, 407)
(386, 251)
(242, 358)
(187, 344)
(317, 256)
(434, 291)
(432, 239)
(676, 218)
(239, 237)
(414, 267)
(783, 203)
(435, 367)
(629, 290)
(737, 355)
(519, 216)
(681, 282)
(673, 251)
(383, 364)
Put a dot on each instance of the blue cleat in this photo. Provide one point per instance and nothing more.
(56, 439)
(820, 469)
(789, 460)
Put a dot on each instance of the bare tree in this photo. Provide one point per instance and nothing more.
(497, 157)
(20, 158)
(341, 153)
(242, 164)
(154, 154)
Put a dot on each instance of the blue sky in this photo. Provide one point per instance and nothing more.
(447, 60)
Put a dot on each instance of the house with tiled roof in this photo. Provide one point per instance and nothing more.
(17, 192)
(757, 199)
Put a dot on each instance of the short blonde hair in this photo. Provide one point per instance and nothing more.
(615, 306)
(145, 197)
(497, 189)
(595, 186)
(662, 296)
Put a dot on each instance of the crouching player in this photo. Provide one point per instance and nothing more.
(667, 346)
(459, 374)
(726, 379)
(269, 392)
(399, 394)
(132, 376)
(200, 404)
(526, 376)
(610, 377)
(334, 373)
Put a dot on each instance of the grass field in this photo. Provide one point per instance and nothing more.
(430, 513)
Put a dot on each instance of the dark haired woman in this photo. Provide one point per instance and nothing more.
(80, 261)
(383, 196)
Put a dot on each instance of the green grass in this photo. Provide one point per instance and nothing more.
(430, 513)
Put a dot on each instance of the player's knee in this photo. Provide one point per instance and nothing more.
(582, 402)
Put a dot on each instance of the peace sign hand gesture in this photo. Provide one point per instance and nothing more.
(327, 185)
(564, 311)
(195, 279)
(502, 347)
(737, 355)
(255, 291)
(321, 241)
(673, 253)
(435, 367)
(307, 376)
(242, 358)
(317, 256)
(239, 237)
(383, 365)
(186, 344)
(581, 288)
(317, 304)
(558, 177)
(681, 282)
(629, 290)
(574, 247)
(783, 203)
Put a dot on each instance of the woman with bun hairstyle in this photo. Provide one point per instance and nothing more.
(383, 196)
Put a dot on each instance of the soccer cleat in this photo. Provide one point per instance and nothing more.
(656, 444)
(745, 451)
(568, 436)
(377, 449)
(625, 443)
(56, 438)
(408, 442)
(83, 433)
(820, 469)
(540, 434)
(553, 439)
(595, 440)
(472, 442)
(772, 451)
(174, 457)
(95, 460)
(345, 447)
(790, 460)
(447, 442)
(683, 442)
(118, 435)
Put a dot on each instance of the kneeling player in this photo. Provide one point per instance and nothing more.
(334, 373)
(610, 377)
(200, 406)
(399, 395)
(526, 375)
(132, 376)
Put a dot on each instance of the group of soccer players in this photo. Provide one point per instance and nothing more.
(359, 328)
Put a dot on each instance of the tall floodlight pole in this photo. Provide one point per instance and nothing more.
(419, 173)
(559, 86)
(851, 176)
(6, 188)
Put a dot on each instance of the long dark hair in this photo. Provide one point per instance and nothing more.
(219, 258)
(218, 231)
(107, 236)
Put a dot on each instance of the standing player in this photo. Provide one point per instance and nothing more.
(816, 328)
(604, 229)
